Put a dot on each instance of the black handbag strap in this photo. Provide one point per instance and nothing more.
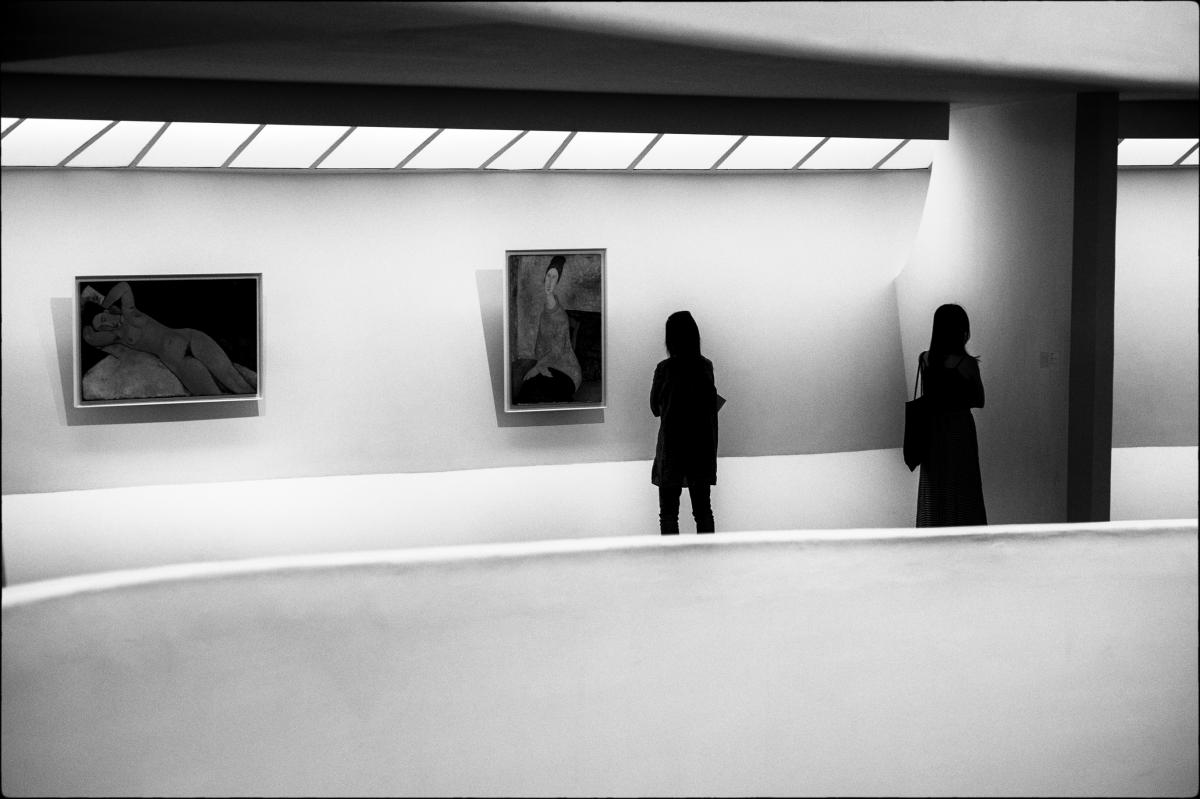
(918, 377)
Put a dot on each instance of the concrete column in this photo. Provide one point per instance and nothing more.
(1089, 431)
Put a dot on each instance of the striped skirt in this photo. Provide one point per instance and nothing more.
(950, 491)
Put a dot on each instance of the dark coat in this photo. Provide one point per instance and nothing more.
(684, 396)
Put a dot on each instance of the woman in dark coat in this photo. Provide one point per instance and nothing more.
(684, 396)
(950, 490)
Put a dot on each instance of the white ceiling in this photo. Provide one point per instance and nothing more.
(963, 52)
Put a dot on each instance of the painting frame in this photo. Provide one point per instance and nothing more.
(532, 384)
(166, 339)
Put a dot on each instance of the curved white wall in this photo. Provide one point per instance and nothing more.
(1037, 661)
(66, 533)
(810, 358)
(996, 238)
(1155, 483)
(1156, 313)
(382, 315)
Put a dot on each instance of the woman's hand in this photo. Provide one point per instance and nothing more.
(89, 294)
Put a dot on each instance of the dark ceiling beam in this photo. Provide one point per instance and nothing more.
(190, 100)
(1158, 119)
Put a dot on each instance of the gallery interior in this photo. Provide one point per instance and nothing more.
(371, 578)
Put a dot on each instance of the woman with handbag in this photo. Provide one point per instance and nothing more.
(684, 396)
(950, 489)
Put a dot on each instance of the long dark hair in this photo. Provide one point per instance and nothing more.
(951, 330)
(683, 337)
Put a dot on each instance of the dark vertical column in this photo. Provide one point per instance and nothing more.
(1089, 429)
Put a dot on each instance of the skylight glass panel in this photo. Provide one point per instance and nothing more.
(602, 150)
(1191, 160)
(461, 148)
(288, 146)
(197, 144)
(916, 154)
(531, 151)
(848, 153)
(770, 152)
(376, 148)
(687, 151)
(119, 146)
(1152, 152)
(46, 142)
(6, 123)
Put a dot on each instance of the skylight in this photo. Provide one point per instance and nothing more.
(602, 150)
(847, 153)
(461, 148)
(197, 144)
(1152, 152)
(915, 154)
(288, 146)
(531, 151)
(81, 144)
(770, 152)
(376, 148)
(118, 146)
(687, 151)
(47, 142)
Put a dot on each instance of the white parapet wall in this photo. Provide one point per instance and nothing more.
(1154, 483)
(64, 533)
(1012, 660)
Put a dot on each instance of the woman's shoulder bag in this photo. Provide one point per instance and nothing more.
(916, 426)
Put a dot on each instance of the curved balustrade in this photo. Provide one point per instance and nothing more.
(1019, 660)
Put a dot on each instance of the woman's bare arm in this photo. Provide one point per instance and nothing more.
(99, 338)
(121, 293)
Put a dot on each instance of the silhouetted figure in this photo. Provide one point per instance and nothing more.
(950, 491)
(556, 374)
(684, 396)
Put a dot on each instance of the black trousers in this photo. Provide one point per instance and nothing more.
(668, 508)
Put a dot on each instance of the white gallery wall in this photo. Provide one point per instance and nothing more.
(1155, 354)
(1157, 308)
(382, 315)
(382, 353)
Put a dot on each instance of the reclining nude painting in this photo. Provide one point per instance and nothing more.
(148, 340)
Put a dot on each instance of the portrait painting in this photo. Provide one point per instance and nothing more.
(554, 329)
(167, 339)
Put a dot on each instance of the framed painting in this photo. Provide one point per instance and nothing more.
(143, 340)
(554, 346)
